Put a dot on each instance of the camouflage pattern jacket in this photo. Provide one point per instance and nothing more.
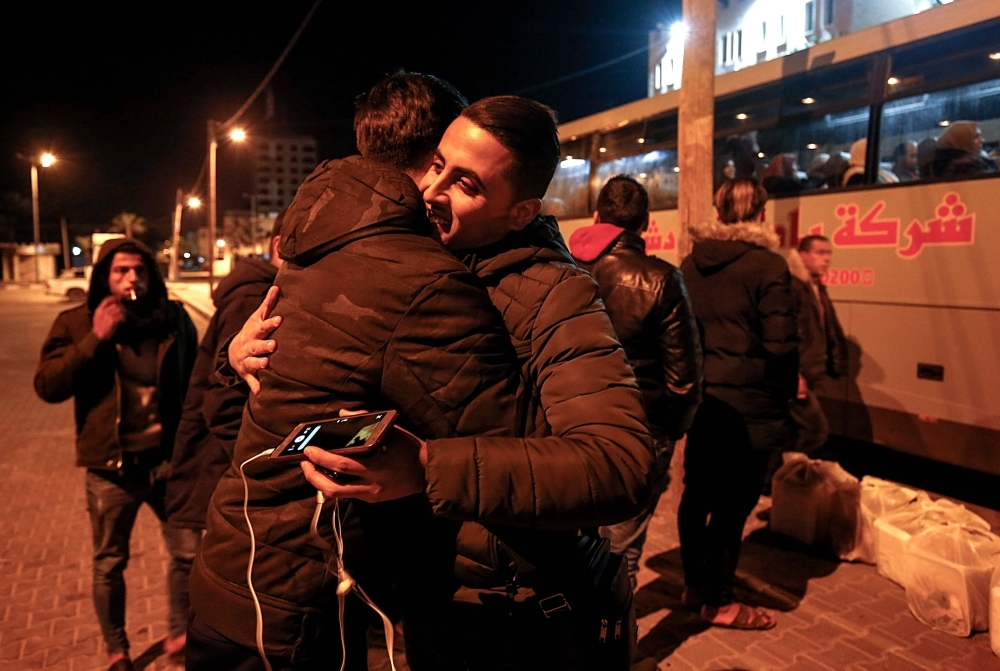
(375, 315)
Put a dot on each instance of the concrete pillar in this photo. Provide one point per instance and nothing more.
(696, 119)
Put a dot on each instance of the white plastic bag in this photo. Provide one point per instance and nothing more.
(949, 568)
(995, 612)
(818, 503)
(891, 533)
(878, 498)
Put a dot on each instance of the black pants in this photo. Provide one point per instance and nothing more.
(721, 486)
(208, 650)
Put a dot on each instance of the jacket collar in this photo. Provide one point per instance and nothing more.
(539, 242)
(753, 233)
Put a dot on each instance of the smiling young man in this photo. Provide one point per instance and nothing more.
(582, 456)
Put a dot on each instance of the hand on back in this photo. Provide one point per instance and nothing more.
(249, 350)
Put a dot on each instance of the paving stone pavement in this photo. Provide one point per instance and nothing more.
(832, 616)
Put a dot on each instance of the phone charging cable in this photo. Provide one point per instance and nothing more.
(253, 551)
(345, 583)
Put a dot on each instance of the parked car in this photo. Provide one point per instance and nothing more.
(72, 283)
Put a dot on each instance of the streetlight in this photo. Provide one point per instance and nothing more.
(236, 135)
(194, 203)
(45, 160)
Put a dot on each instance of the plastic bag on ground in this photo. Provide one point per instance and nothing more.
(818, 503)
(995, 612)
(878, 498)
(891, 533)
(948, 574)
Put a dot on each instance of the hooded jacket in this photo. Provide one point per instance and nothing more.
(203, 448)
(822, 344)
(649, 308)
(741, 292)
(376, 315)
(75, 364)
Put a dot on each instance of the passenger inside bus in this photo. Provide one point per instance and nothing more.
(960, 151)
(781, 176)
(856, 172)
(904, 164)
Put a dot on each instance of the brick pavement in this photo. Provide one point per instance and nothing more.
(839, 616)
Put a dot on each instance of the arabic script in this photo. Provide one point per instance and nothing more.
(655, 242)
(869, 231)
(953, 225)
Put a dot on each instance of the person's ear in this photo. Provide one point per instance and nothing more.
(645, 225)
(524, 212)
(275, 241)
(597, 217)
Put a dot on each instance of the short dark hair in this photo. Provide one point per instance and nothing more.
(805, 244)
(402, 118)
(623, 202)
(740, 200)
(527, 129)
(276, 227)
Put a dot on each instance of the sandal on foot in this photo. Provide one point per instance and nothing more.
(747, 617)
(693, 598)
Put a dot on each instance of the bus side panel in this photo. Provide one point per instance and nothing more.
(925, 244)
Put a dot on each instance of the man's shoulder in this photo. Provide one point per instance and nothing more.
(75, 318)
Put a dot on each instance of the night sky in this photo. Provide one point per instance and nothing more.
(122, 97)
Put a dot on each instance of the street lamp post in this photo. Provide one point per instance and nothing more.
(45, 160)
(236, 135)
(194, 203)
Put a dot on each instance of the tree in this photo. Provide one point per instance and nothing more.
(129, 223)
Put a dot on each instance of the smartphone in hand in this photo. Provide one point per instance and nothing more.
(349, 436)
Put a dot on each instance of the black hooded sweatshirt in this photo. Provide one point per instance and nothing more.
(212, 413)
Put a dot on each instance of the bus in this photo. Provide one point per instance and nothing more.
(856, 139)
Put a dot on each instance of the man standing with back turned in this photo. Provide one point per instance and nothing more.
(125, 358)
(650, 310)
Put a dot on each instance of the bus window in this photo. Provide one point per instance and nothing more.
(963, 57)
(656, 170)
(567, 193)
(944, 134)
(819, 153)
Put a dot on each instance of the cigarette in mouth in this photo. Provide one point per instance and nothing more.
(131, 294)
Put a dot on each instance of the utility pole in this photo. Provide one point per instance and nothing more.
(36, 222)
(65, 241)
(696, 119)
(175, 237)
(213, 146)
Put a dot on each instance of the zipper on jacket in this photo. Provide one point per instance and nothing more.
(604, 631)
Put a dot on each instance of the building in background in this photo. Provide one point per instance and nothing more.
(282, 160)
(751, 31)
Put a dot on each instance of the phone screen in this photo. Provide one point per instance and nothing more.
(334, 434)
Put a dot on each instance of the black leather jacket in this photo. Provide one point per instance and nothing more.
(650, 310)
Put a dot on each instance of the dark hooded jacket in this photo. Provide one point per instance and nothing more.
(376, 315)
(578, 392)
(742, 296)
(650, 310)
(75, 364)
(203, 448)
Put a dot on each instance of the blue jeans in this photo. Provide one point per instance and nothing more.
(627, 538)
(113, 500)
